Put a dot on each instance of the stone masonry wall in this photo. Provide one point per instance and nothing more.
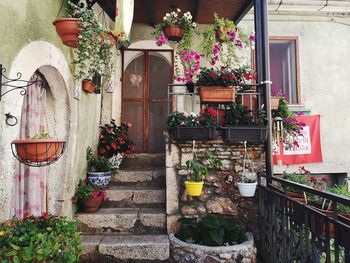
(220, 194)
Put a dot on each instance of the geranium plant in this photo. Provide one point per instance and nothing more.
(45, 238)
(176, 19)
(206, 118)
(87, 191)
(97, 163)
(238, 114)
(289, 126)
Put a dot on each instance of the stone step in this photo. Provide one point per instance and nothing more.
(135, 196)
(140, 177)
(125, 248)
(144, 160)
(130, 220)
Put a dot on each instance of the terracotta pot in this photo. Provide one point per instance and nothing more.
(68, 30)
(110, 36)
(274, 102)
(38, 150)
(91, 205)
(217, 94)
(88, 86)
(174, 33)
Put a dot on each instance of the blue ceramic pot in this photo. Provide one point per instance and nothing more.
(99, 178)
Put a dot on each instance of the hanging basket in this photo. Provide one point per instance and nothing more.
(174, 33)
(217, 94)
(68, 30)
(38, 152)
(247, 189)
(88, 86)
(194, 188)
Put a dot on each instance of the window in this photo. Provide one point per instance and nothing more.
(284, 67)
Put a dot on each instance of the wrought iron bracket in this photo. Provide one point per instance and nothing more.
(16, 83)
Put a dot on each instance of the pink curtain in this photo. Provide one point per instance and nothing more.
(30, 182)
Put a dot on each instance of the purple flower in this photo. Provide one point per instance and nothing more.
(239, 43)
(252, 37)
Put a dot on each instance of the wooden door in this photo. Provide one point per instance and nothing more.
(145, 79)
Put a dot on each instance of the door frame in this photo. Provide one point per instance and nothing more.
(146, 100)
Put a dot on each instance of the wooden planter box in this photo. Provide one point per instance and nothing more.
(216, 94)
(192, 133)
(244, 133)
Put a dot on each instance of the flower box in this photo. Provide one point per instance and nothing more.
(245, 133)
(192, 133)
(217, 94)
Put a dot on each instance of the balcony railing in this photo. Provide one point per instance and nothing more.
(295, 230)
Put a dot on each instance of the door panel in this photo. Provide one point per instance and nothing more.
(145, 83)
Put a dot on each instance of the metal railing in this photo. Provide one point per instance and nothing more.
(295, 230)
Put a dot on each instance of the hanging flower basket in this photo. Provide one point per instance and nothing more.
(247, 189)
(38, 152)
(217, 94)
(88, 86)
(174, 33)
(68, 30)
(194, 188)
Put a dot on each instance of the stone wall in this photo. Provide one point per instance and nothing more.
(220, 194)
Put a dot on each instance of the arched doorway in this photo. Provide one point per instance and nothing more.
(146, 75)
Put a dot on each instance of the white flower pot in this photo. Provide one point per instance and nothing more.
(247, 189)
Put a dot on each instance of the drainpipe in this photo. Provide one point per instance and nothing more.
(263, 73)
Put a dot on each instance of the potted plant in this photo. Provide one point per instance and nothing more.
(114, 142)
(99, 169)
(192, 126)
(89, 197)
(242, 124)
(199, 169)
(44, 238)
(177, 28)
(247, 184)
(94, 48)
(39, 149)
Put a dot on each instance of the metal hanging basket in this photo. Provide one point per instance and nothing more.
(38, 152)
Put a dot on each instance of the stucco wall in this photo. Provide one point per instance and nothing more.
(29, 41)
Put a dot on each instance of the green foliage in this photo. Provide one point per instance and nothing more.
(84, 191)
(238, 114)
(200, 168)
(42, 135)
(114, 139)
(34, 239)
(94, 52)
(341, 190)
(98, 163)
(211, 230)
(224, 77)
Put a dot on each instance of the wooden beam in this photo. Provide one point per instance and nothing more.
(150, 11)
(196, 11)
(243, 12)
(108, 7)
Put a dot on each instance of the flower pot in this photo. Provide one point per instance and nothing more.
(241, 133)
(194, 188)
(68, 30)
(88, 86)
(99, 178)
(38, 150)
(217, 94)
(274, 102)
(192, 133)
(115, 161)
(174, 33)
(91, 205)
(109, 36)
(247, 189)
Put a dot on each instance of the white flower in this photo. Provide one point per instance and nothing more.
(178, 10)
(194, 24)
(167, 14)
(164, 18)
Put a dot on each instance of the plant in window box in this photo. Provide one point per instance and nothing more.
(89, 197)
(177, 28)
(286, 128)
(219, 85)
(114, 143)
(99, 169)
(94, 46)
(221, 41)
(199, 169)
(44, 238)
(192, 126)
(242, 124)
(39, 149)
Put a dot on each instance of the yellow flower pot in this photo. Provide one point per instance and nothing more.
(194, 188)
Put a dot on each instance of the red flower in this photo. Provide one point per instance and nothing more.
(45, 216)
(325, 179)
(212, 74)
(36, 219)
(231, 76)
(223, 77)
(26, 215)
(248, 76)
(113, 145)
(313, 179)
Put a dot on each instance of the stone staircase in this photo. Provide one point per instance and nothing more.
(131, 227)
